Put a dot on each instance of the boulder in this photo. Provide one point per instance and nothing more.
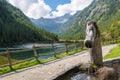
(106, 73)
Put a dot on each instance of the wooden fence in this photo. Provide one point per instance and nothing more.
(77, 44)
(10, 62)
(110, 41)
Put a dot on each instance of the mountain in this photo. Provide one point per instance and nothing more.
(16, 28)
(63, 28)
(105, 12)
(51, 24)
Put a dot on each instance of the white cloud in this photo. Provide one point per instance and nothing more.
(22, 4)
(38, 8)
(32, 8)
(71, 8)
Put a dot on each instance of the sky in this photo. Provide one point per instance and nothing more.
(49, 8)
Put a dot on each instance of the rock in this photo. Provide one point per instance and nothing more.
(106, 73)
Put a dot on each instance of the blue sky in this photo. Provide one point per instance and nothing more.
(49, 8)
(54, 3)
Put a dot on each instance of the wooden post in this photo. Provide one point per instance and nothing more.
(35, 53)
(53, 49)
(82, 44)
(66, 46)
(110, 41)
(75, 45)
(9, 59)
(116, 40)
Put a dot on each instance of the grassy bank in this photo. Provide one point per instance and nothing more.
(115, 52)
(34, 62)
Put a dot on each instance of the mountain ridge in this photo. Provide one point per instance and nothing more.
(100, 11)
(50, 24)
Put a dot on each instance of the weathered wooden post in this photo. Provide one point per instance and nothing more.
(92, 41)
(82, 44)
(104, 42)
(35, 53)
(66, 47)
(9, 59)
(110, 41)
(53, 48)
(75, 45)
(116, 40)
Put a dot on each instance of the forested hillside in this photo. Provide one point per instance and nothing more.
(107, 15)
(16, 28)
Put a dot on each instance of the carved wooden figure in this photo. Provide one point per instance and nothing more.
(92, 41)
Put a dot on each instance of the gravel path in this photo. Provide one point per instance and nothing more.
(52, 69)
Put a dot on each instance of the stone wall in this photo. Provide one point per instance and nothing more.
(112, 62)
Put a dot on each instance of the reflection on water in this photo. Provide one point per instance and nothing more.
(29, 46)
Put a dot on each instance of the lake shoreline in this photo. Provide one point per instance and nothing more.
(16, 44)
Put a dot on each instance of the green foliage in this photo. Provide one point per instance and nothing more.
(115, 52)
(16, 28)
(105, 12)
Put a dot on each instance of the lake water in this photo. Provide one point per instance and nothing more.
(59, 47)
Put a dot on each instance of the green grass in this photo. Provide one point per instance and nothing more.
(115, 52)
(34, 62)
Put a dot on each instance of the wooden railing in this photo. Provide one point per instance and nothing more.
(10, 61)
(7, 59)
(110, 41)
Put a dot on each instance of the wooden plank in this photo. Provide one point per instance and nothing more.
(1, 66)
(22, 61)
(43, 47)
(17, 62)
(18, 51)
(2, 53)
